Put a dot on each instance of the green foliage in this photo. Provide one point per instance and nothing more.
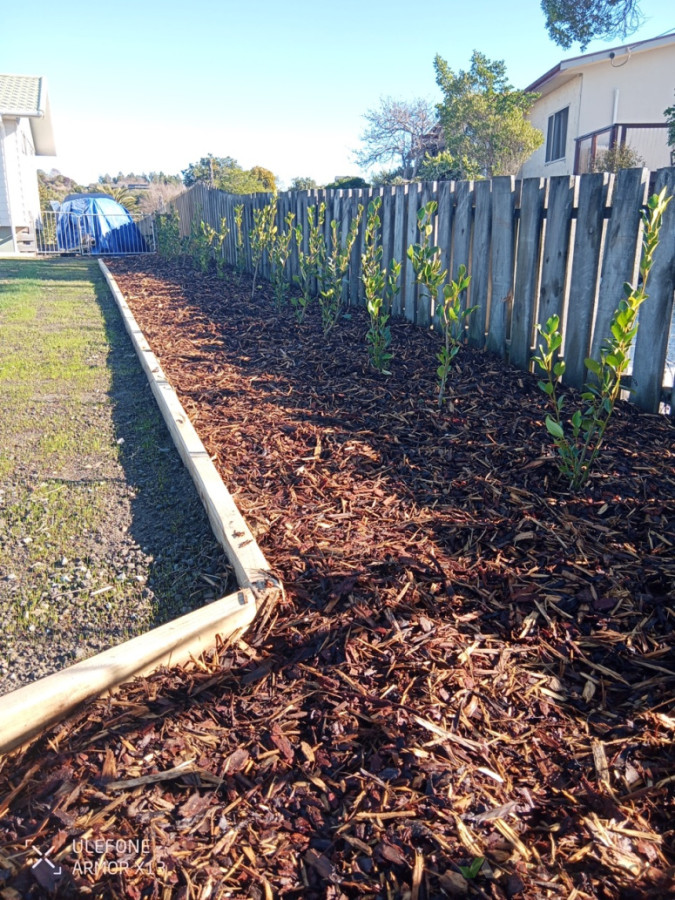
(335, 269)
(198, 245)
(216, 239)
(167, 234)
(380, 288)
(239, 236)
(265, 177)
(311, 262)
(426, 262)
(342, 184)
(618, 157)
(578, 452)
(261, 235)
(470, 872)
(569, 21)
(121, 194)
(225, 173)
(484, 118)
(669, 113)
(279, 251)
(452, 317)
(441, 167)
(389, 176)
(303, 184)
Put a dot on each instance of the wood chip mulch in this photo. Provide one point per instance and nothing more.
(468, 661)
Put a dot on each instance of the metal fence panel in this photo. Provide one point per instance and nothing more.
(93, 234)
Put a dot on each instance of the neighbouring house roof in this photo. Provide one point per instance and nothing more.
(569, 68)
(25, 96)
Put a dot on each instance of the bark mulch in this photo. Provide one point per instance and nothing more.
(468, 661)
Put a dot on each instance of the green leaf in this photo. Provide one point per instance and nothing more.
(559, 368)
(470, 872)
(593, 366)
(554, 428)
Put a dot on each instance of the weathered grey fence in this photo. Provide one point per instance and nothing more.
(535, 248)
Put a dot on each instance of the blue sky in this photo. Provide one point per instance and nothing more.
(153, 85)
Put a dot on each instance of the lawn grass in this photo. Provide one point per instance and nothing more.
(53, 349)
(101, 531)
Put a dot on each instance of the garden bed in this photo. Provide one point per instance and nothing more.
(468, 661)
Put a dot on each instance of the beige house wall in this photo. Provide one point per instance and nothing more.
(630, 88)
(568, 94)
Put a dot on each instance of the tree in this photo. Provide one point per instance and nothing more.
(303, 184)
(348, 181)
(265, 177)
(399, 131)
(225, 173)
(484, 118)
(669, 113)
(568, 21)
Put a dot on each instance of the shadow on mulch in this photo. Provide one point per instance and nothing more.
(469, 662)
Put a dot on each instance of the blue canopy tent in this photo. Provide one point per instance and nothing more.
(98, 224)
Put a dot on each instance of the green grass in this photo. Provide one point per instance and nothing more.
(86, 464)
(53, 353)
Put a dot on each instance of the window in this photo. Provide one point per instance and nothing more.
(557, 135)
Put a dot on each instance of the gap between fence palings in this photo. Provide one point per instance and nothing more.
(564, 244)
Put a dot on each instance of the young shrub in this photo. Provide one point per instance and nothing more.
(335, 271)
(216, 240)
(279, 251)
(453, 318)
(167, 233)
(261, 235)
(239, 236)
(578, 451)
(426, 262)
(380, 288)
(198, 246)
(312, 262)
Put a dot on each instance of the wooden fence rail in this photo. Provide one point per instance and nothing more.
(535, 248)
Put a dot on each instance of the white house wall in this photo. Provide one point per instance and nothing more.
(19, 181)
(5, 221)
(568, 94)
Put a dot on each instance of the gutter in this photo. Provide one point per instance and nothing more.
(31, 709)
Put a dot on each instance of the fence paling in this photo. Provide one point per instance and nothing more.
(652, 338)
(585, 267)
(560, 246)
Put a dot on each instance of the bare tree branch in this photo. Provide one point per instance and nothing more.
(399, 132)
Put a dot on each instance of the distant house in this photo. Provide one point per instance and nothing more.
(598, 101)
(25, 132)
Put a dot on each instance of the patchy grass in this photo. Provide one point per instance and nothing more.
(94, 501)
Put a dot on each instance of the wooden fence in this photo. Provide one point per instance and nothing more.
(563, 245)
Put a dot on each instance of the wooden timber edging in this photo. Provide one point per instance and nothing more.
(28, 710)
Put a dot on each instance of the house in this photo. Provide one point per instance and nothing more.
(608, 99)
(25, 132)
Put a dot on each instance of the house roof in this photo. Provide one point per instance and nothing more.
(569, 68)
(25, 96)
